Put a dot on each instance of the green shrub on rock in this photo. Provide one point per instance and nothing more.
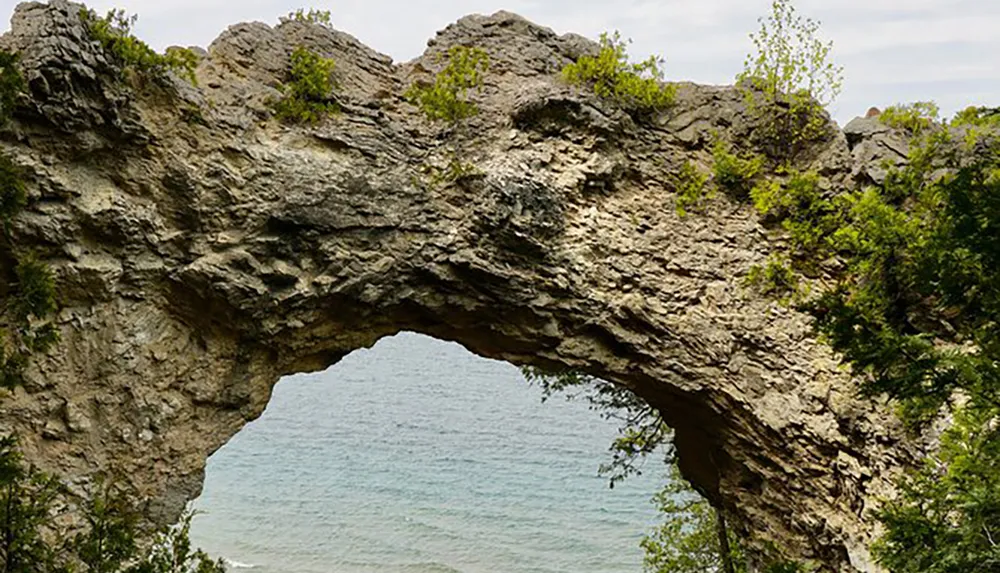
(798, 203)
(691, 186)
(11, 84)
(311, 16)
(114, 33)
(26, 500)
(12, 192)
(978, 116)
(774, 279)
(914, 118)
(447, 99)
(734, 173)
(308, 93)
(788, 82)
(612, 76)
(31, 298)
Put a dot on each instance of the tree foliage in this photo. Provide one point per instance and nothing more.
(26, 499)
(688, 539)
(114, 538)
(448, 98)
(788, 81)
(947, 517)
(308, 94)
(732, 172)
(913, 310)
(11, 85)
(637, 86)
(978, 116)
(114, 32)
(914, 118)
(642, 430)
(692, 188)
(310, 16)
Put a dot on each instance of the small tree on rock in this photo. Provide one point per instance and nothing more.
(789, 81)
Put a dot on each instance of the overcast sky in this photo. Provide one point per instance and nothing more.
(892, 50)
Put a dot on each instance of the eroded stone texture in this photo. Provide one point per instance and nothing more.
(202, 250)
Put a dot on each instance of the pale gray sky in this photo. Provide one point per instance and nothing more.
(892, 50)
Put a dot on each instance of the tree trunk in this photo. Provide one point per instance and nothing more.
(725, 554)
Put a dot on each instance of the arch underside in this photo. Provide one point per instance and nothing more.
(197, 262)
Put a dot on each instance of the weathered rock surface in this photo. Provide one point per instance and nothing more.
(202, 250)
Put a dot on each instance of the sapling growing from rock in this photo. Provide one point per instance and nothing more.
(788, 81)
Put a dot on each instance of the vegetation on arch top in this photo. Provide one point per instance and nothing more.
(447, 98)
(610, 74)
(308, 93)
(310, 16)
(114, 32)
(787, 82)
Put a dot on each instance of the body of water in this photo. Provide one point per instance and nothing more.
(416, 456)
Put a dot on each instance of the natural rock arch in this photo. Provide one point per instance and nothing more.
(202, 251)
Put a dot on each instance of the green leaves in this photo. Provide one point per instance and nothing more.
(311, 16)
(642, 430)
(171, 552)
(914, 310)
(109, 542)
(914, 118)
(774, 279)
(113, 539)
(691, 187)
(11, 85)
(687, 541)
(309, 91)
(12, 193)
(636, 86)
(977, 116)
(788, 82)
(734, 173)
(114, 33)
(790, 59)
(26, 498)
(804, 213)
(30, 299)
(447, 99)
(947, 516)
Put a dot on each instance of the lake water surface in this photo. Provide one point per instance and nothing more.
(416, 456)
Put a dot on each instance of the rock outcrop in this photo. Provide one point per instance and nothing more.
(202, 250)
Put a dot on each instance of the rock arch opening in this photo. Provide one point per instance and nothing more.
(416, 455)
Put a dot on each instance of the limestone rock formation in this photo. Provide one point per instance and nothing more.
(202, 250)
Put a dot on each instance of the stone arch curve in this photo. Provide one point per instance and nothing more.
(202, 251)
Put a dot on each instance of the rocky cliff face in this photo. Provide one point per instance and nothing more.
(202, 250)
